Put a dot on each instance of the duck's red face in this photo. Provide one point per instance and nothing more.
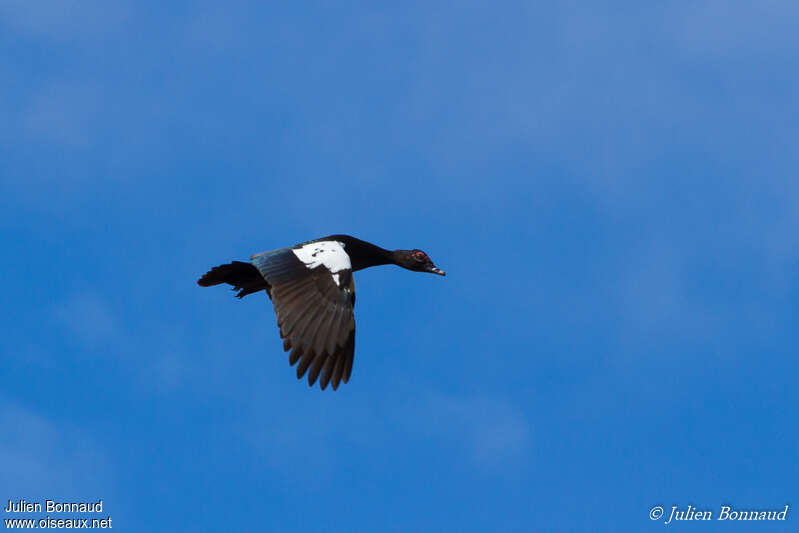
(418, 261)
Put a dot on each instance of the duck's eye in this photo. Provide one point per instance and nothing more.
(419, 256)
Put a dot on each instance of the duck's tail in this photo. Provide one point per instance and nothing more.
(244, 277)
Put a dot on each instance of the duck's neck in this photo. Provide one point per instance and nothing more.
(365, 254)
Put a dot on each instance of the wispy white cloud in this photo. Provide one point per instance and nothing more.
(717, 29)
(491, 432)
(88, 317)
(164, 357)
(62, 112)
(64, 19)
(486, 433)
(44, 458)
(217, 29)
(653, 293)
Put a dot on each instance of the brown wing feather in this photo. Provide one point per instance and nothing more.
(314, 314)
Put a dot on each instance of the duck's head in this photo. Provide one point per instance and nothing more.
(417, 261)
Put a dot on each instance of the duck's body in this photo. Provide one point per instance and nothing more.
(313, 292)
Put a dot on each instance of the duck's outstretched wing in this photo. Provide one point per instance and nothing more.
(313, 293)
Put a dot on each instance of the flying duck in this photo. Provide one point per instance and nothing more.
(313, 292)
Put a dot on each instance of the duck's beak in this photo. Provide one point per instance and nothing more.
(435, 270)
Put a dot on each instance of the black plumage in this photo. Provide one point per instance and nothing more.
(313, 293)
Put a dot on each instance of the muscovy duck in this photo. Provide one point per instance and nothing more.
(313, 292)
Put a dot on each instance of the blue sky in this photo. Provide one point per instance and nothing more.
(612, 190)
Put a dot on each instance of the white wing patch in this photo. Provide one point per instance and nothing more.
(331, 254)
